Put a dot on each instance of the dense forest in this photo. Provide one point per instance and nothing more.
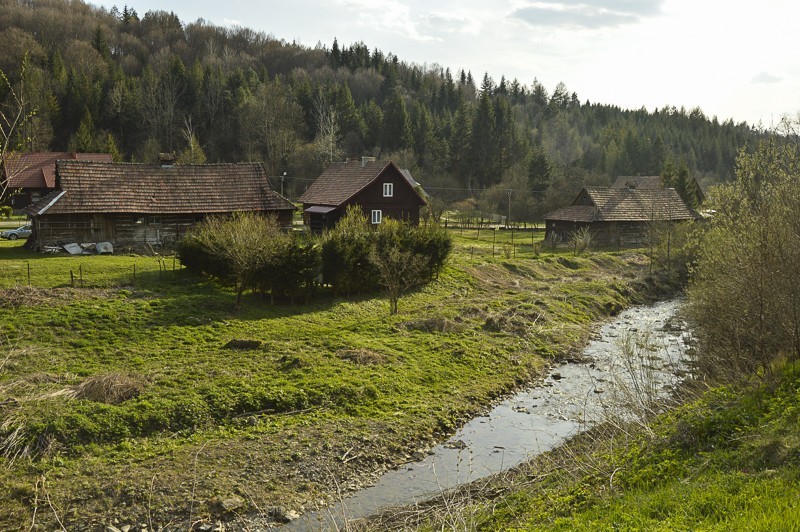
(135, 86)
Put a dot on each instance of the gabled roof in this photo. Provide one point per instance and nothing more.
(603, 204)
(341, 181)
(647, 182)
(92, 187)
(641, 182)
(38, 169)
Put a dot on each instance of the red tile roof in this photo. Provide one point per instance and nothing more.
(38, 169)
(91, 187)
(625, 205)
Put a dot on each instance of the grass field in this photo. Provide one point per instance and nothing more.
(122, 398)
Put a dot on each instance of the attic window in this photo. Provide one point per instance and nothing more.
(388, 190)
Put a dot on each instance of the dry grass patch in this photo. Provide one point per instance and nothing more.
(109, 388)
(26, 296)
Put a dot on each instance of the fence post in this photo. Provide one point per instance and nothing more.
(72, 278)
(29, 273)
(80, 274)
(134, 274)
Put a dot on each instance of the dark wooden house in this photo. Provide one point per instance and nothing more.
(617, 216)
(136, 204)
(380, 188)
(29, 176)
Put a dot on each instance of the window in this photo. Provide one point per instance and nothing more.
(154, 220)
(388, 190)
(376, 216)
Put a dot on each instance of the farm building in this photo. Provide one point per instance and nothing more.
(137, 204)
(380, 188)
(617, 216)
(29, 176)
(653, 182)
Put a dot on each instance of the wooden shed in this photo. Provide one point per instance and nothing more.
(137, 204)
(380, 188)
(617, 216)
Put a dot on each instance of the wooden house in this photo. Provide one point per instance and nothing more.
(380, 188)
(653, 182)
(29, 176)
(136, 204)
(617, 216)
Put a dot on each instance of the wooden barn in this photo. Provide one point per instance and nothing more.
(29, 176)
(138, 204)
(654, 182)
(380, 188)
(617, 216)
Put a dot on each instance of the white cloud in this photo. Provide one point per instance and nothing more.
(440, 22)
(591, 14)
(766, 77)
(387, 15)
(231, 22)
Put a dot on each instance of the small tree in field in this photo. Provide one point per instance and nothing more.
(244, 242)
(401, 265)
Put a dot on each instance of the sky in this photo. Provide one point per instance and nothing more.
(734, 59)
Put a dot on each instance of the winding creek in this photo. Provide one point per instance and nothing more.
(634, 361)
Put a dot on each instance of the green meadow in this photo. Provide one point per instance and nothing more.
(147, 397)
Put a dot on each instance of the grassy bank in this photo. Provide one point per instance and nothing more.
(728, 460)
(125, 398)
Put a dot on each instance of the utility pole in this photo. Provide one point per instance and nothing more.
(508, 218)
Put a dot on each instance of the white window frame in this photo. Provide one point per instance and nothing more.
(388, 190)
(377, 216)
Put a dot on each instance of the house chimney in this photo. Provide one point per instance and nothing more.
(166, 159)
(365, 160)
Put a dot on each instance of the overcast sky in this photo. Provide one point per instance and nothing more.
(734, 59)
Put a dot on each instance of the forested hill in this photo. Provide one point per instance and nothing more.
(137, 85)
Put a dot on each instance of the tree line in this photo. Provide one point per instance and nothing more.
(135, 86)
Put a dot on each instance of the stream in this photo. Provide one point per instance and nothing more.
(632, 363)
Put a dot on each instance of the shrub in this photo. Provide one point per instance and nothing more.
(292, 269)
(744, 294)
(345, 254)
(238, 245)
(6, 211)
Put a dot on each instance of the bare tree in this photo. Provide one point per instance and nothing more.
(399, 271)
(328, 133)
(243, 242)
(14, 114)
(271, 122)
(193, 154)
